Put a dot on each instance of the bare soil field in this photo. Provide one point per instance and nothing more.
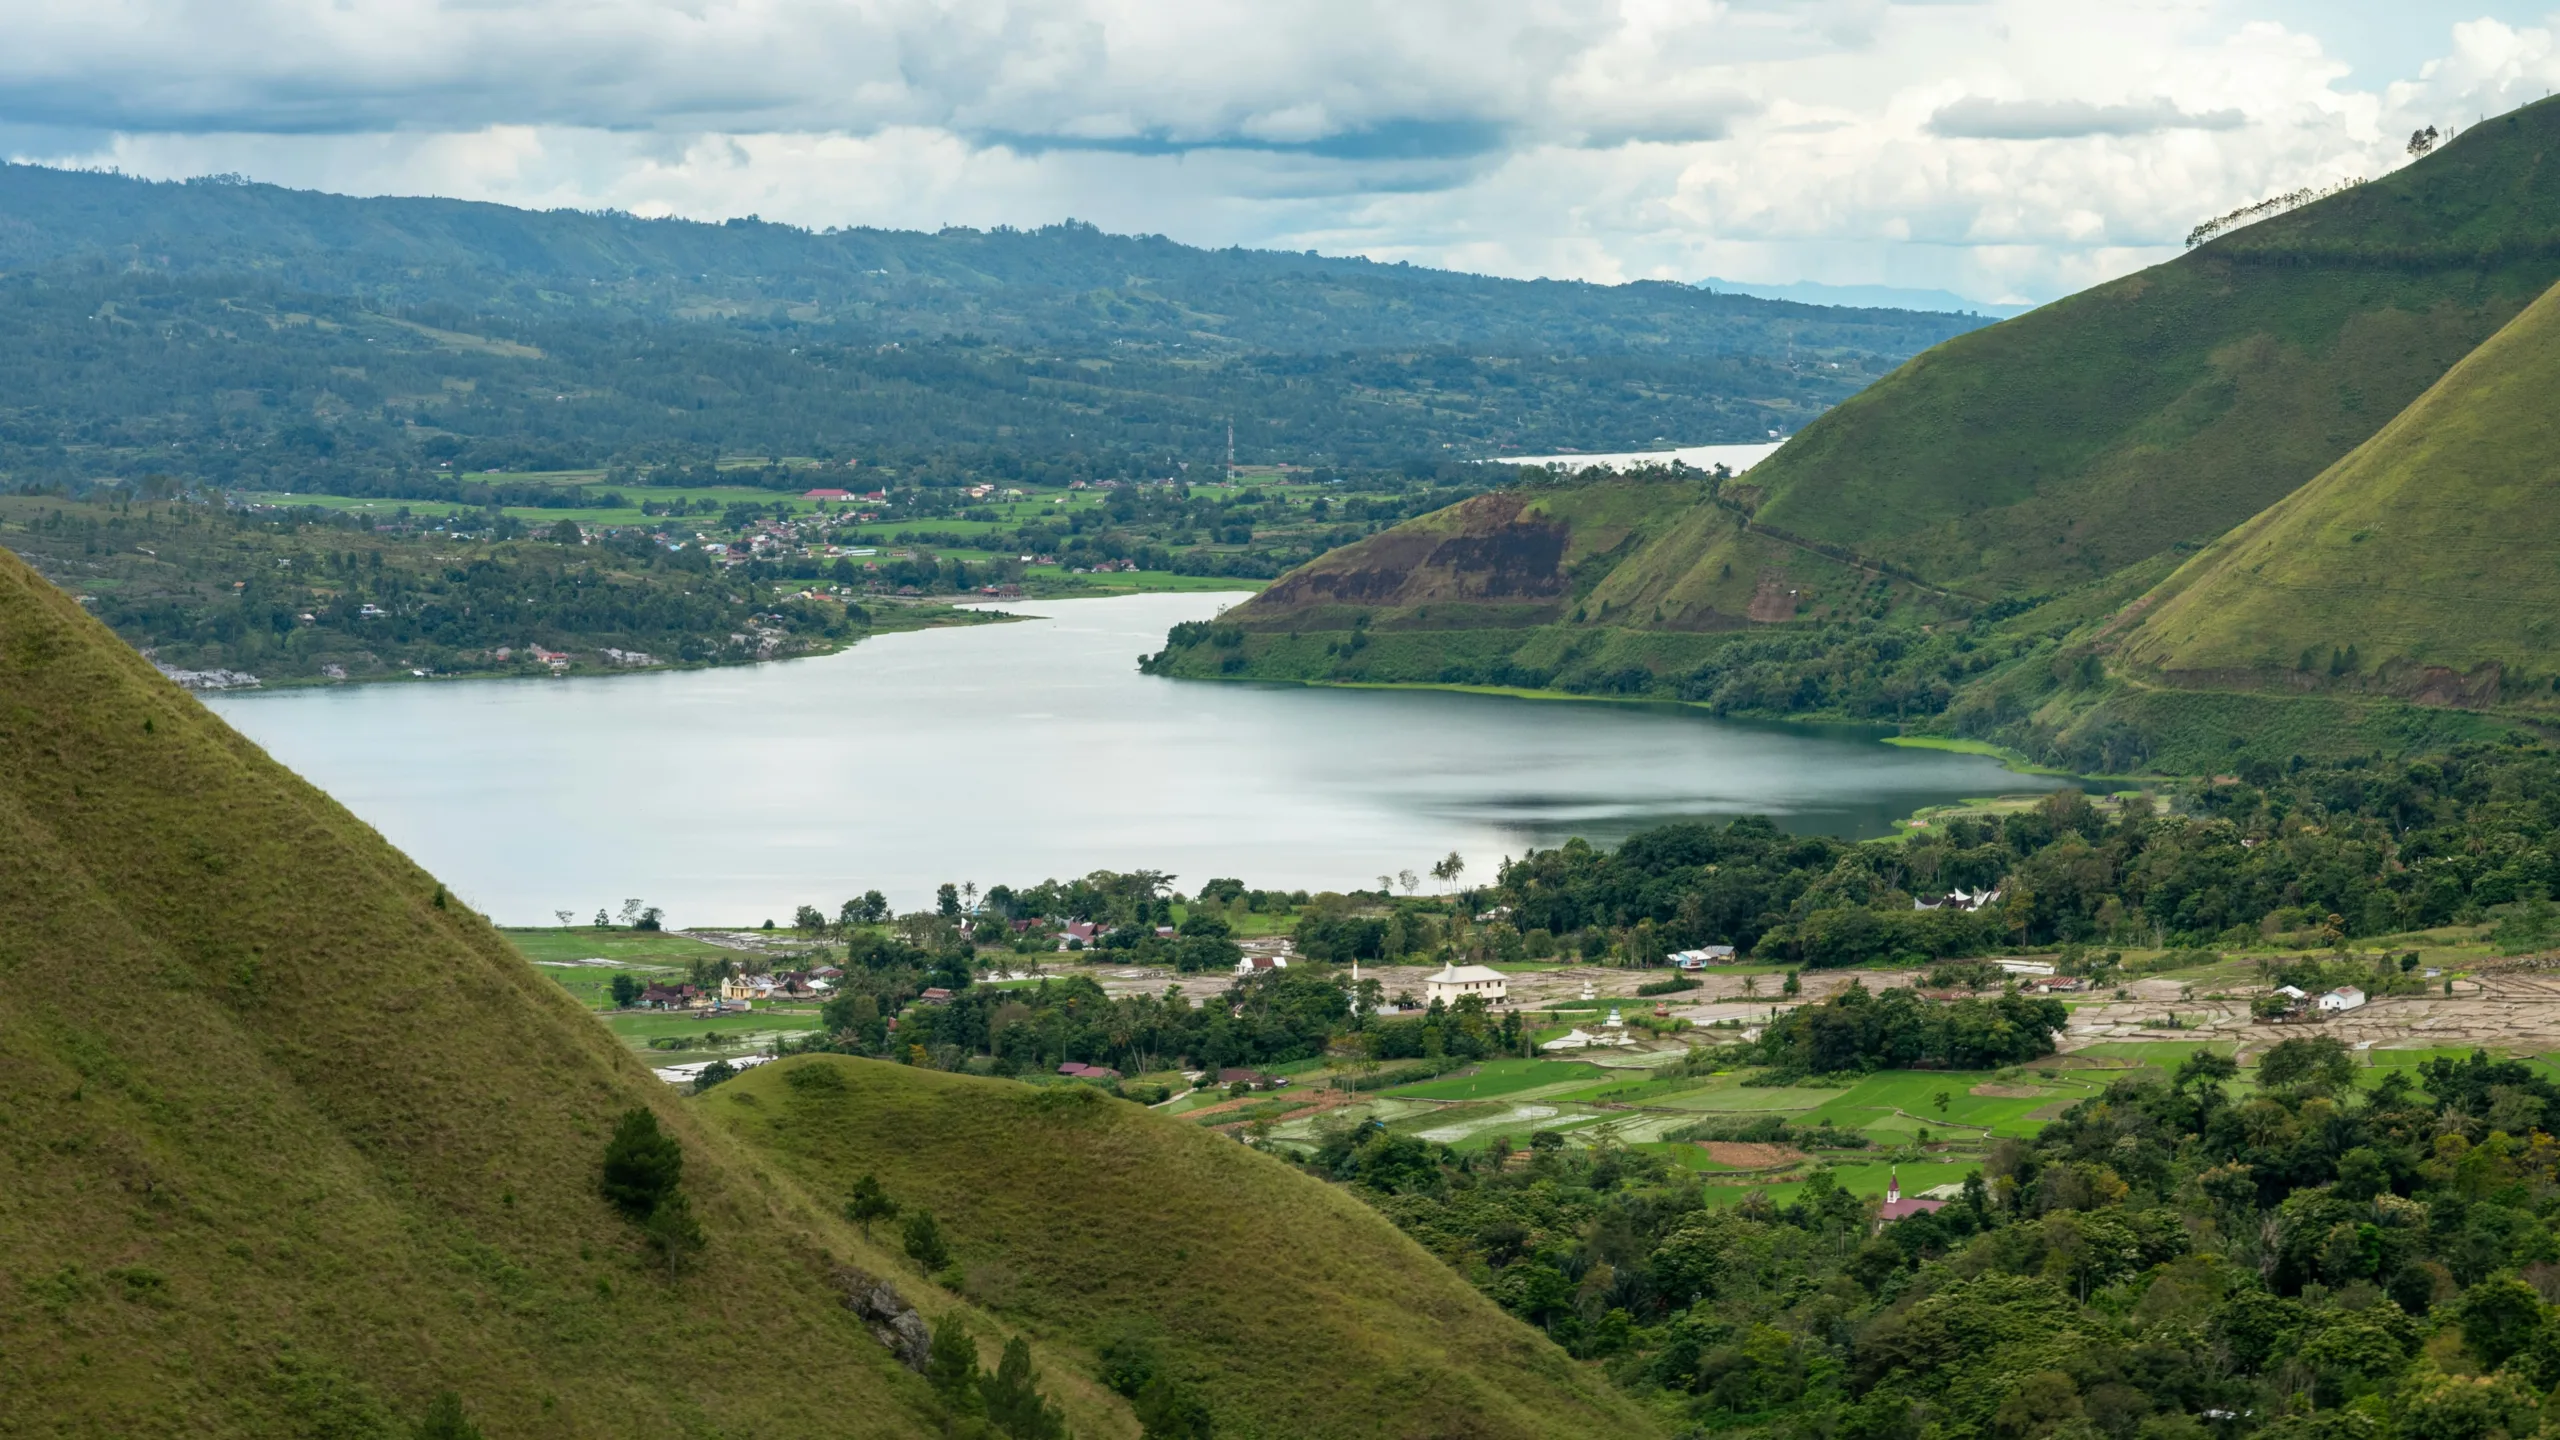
(1750, 1154)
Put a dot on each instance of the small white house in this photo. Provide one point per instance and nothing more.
(1252, 965)
(1456, 982)
(2293, 992)
(2345, 997)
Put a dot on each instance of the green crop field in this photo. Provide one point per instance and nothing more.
(1634, 1089)
(710, 1033)
(546, 515)
(1496, 1078)
(1752, 1099)
(639, 949)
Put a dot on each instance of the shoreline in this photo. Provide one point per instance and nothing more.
(2010, 760)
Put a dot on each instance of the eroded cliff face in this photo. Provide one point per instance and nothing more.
(1493, 547)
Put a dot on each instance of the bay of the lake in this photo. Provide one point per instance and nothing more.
(1016, 752)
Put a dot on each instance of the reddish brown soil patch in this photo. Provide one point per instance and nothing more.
(1309, 1103)
(1773, 600)
(1750, 1154)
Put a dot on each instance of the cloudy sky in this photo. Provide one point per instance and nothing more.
(2004, 149)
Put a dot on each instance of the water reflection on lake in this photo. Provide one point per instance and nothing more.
(1018, 752)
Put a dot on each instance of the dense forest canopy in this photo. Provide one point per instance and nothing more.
(2303, 1255)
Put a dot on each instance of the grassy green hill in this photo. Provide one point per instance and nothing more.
(2168, 406)
(1618, 586)
(1954, 546)
(1295, 1309)
(295, 1142)
(2420, 565)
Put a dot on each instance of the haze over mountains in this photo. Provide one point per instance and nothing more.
(1957, 540)
(242, 333)
(1895, 297)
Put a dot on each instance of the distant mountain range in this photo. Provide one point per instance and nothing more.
(247, 334)
(1865, 297)
(2287, 493)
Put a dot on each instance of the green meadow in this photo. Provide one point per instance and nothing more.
(1496, 1078)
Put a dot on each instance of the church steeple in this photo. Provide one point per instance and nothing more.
(1893, 1185)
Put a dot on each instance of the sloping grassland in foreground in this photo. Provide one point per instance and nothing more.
(295, 1143)
(1087, 1221)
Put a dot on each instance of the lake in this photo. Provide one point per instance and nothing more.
(1017, 752)
(1736, 458)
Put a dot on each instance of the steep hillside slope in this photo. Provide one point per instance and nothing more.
(1624, 586)
(2170, 405)
(2421, 564)
(294, 1143)
(1295, 1310)
(1953, 546)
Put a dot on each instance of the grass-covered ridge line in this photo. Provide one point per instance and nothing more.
(1959, 549)
(2170, 405)
(292, 1133)
(1088, 1222)
(2419, 564)
(296, 1144)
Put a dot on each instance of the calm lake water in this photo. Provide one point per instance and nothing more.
(1013, 753)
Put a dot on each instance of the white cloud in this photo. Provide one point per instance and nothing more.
(1975, 118)
(2004, 148)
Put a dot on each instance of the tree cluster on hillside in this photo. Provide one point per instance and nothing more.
(2311, 1258)
(2360, 848)
(290, 594)
(1267, 1019)
(1856, 1030)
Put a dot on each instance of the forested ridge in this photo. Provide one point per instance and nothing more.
(242, 334)
(330, 595)
(2295, 1254)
